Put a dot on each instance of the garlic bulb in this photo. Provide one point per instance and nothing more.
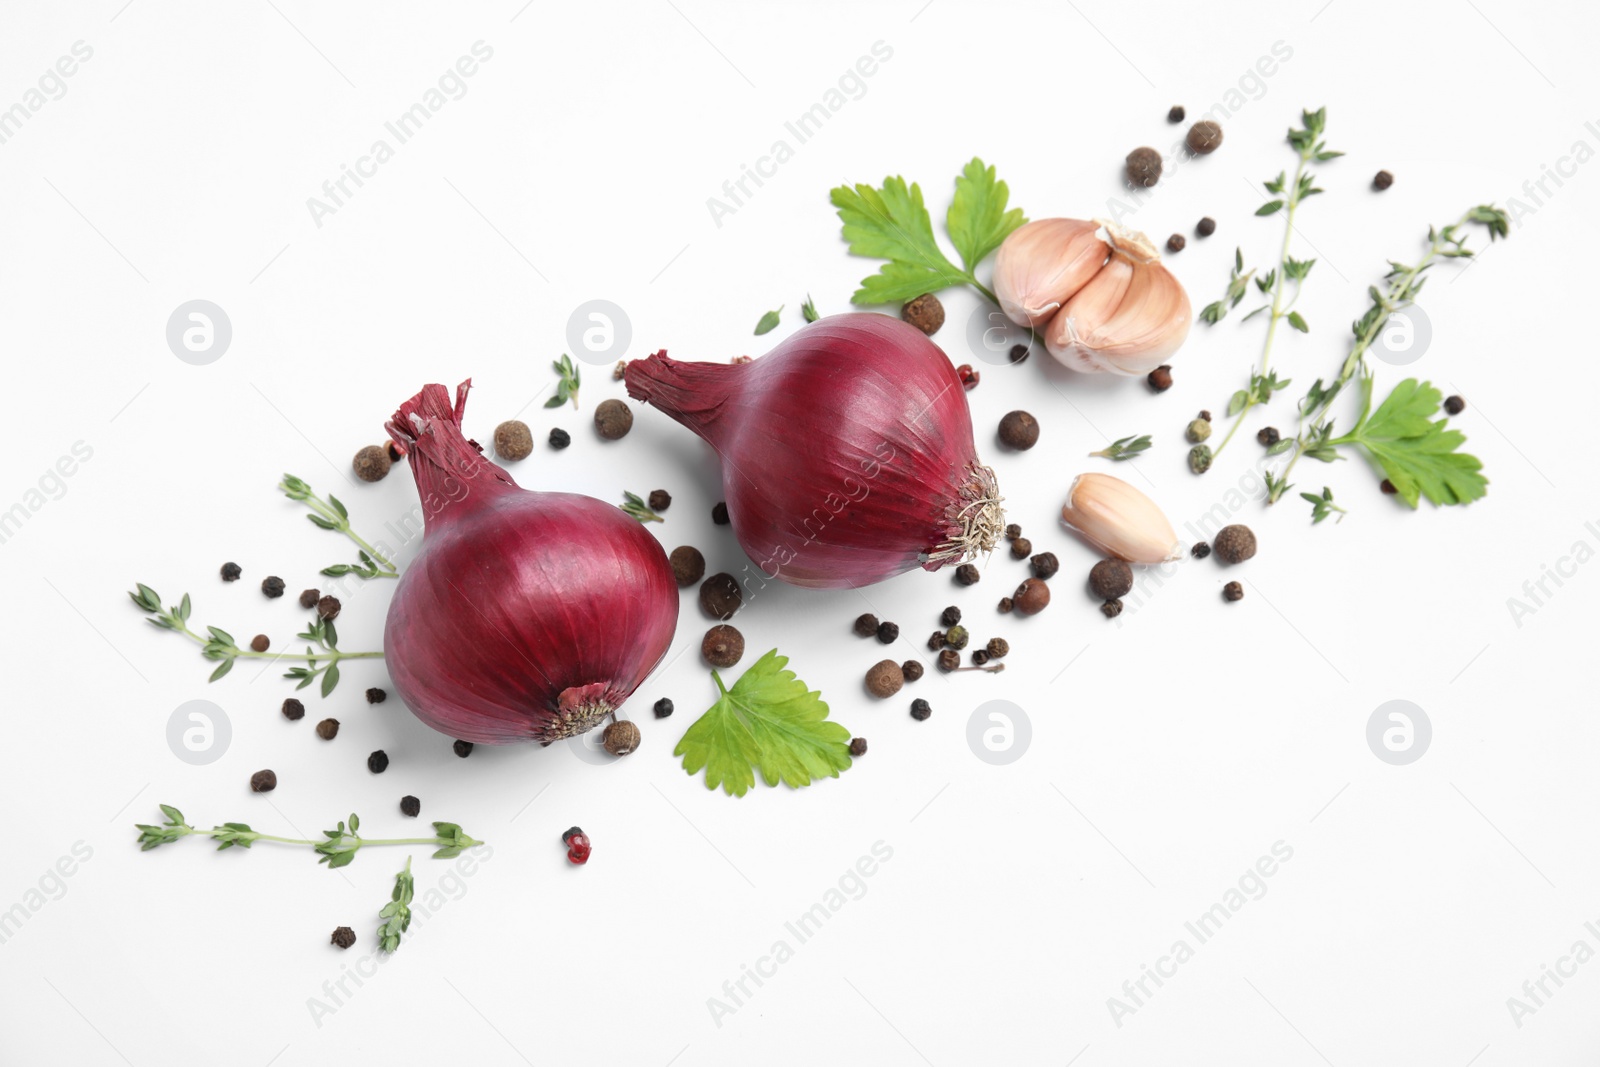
(1127, 323)
(1119, 520)
(1043, 263)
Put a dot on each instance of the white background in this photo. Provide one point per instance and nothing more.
(1169, 750)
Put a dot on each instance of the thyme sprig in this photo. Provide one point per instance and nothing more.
(1418, 455)
(1291, 193)
(337, 849)
(636, 506)
(396, 914)
(1238, 285)
(219, 645)
(1124, 447)
(1322, 506)
(567, 387)
(330, 514)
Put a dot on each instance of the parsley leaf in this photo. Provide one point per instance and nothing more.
(768, 720)
(892, 223)
(1419, 456)
(978, 220)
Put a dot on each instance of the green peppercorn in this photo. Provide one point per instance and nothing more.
(1198, 430)
(956, 637)
(1200, 458)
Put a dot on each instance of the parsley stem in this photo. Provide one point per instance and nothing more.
(1291, 202)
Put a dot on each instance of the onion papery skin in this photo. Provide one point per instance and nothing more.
(847, 451)
(525, 616)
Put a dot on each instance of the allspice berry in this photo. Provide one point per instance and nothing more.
(621, 737)
(1205, 137)
(1233, 591)
(1176, 114)
(328, 729)
(720, 597)
(1013, 531)
(688, 565)
(1031, 597)
(263, 782)
(513, 440)
(1234, 544)
(309, 597)
(1206, 226)
(885, 678)
(722, 646)
(1176, 242)
(371, 463)
(925, 313)
(1045, 565)
(1110, 579)
(1144, 167)
(613, 419)
(328, 608)
(260, 643)
(1021, 548)
(1160, 379)
(1019, 430)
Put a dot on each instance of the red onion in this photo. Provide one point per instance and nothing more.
(847, 452)
(525, 616)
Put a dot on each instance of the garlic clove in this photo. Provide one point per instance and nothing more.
(1148, 322)
(1119, 520)
(1041, 265)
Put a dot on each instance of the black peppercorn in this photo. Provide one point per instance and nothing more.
(663, 707)
(1206, 226)
(1019, 430)
(949, 660)
(1110, 579)
(272, 585)
(263, 782)
(1200, 550)
(912, 669)
(1204, 415)
(1268, 436)
(660, 500)
(967, 574)
(719, 513)
(866, 625)
(1018, 353)
(1176, 242)
(1160, 379)
(1045, 565)
(560, 439)
(1021, 548)
(1013, 531)
(997, 647)
(259, 643)
(1143, 167)
(688, 565)
(950, 616)
(926, 313)
(309, 597)
(410, 806)
(1176, 114)
(1006, 604)
(231, 572)
(328, 608)
(1204, 138)
(1382, 180)
(1388, 487)
(376, 696)
(1111, 608)
(858, 746)
(1235, 544)
(293, 710)
(462, 748)
(722, 646)
(328, 729)
(720, 597)
(1233, 591)
(936, 641)
(344, 937)
(378, 762)
(613, 419)
(920, 709)
(888, 633)
(979, 657)
(1454, 405)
